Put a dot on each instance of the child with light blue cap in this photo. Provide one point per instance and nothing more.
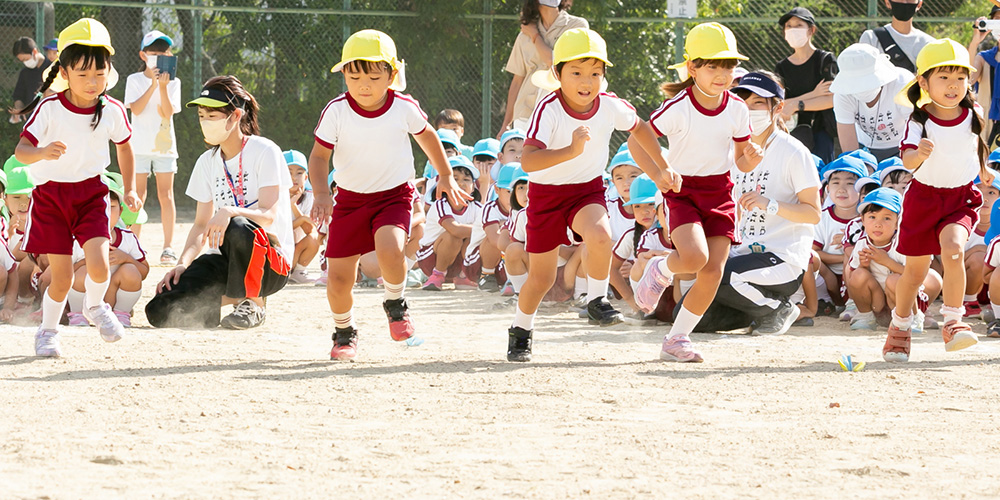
(511, 146)
(482, 255)
(307, 239)
(892, 174)
(448, 229)
(644, 197)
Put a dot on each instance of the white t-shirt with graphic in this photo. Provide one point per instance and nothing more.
(882, 125)
(152, 135)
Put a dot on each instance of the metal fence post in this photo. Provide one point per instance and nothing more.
(487, 71)
(345, 34)
(678, 41)
(872, 12)
(196, 27)
(40, 24)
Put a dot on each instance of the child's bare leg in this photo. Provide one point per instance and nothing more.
(369, 266)
(96, 283)
(446, 250)
(953, 238)
(974, 263)
(541, 276)
(168, 211)
(341, 275)
(389, 242)
(141, 184)
(864, 289)
(909, 282)
(125, 289)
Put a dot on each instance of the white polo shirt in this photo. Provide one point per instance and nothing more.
(552, 126)
(954, 161)
(371, 149)
(701, 140)
(440, 211)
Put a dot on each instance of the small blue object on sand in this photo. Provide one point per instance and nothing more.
(414, 341)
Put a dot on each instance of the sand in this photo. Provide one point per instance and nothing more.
(264, 413)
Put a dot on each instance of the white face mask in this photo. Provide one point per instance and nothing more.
(797, 37)
(31, 63)
(216, 131)
(869, 95)
(760, 120)
(150, 62)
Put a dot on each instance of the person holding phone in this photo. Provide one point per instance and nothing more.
(988, 95)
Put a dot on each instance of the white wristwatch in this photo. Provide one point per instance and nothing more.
(772, 207)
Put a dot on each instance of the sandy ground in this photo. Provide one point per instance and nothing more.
(264, 414)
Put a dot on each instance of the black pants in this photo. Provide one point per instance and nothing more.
(249, 266)
(753, 286)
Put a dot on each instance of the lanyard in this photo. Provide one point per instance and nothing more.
(238, 194)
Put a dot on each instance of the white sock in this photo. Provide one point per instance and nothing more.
(996, 310)
(393, 291)
(94, 292)
(861, 315)
(952, 313)
(518, 281)
(409, 263)
(580, 286)
(126, 300)
(51, 312)
(344, 320)
(661, 264)
(969, 298)
(597, 288)
(523, 319)
(75, 300)
(901, 322)
(684, 323)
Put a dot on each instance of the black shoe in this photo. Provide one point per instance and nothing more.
(400, 326)
(779, 321)
(825, 308)
(601, 312)
(993, 330)
(345, 344)
(247, 314)
(518, 344)
(488, 283)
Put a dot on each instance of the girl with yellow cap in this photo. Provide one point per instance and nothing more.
(708, 128)
(945, 151)
(64, 142)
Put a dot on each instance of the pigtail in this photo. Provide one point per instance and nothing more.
(918, 115)
(977, 127)
(53, 72)
(98, 110)
(671, 89)
(636, 236)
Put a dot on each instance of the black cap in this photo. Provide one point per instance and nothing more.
(994, 10)
(799, 12)
(762, 85)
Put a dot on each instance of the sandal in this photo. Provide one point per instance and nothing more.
(168, 257)
(897, 345)
(957, 336)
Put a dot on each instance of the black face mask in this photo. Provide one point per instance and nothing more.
(903, 11)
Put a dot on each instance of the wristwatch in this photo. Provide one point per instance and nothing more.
(772, 207)
(802, 105)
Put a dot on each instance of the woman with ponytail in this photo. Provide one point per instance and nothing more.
(244, 215)
(65, 144)
(945, 151)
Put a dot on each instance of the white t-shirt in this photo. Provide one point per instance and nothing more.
(491, 213)
(910, 43)
(57, 119)
(785, 170)
(954, 161)
(621, 221)
(122, 239)
(701, 141)
(371, 149)
(993, 254)
(7, 260)
(625, 248)
(828, 228)
(552, 126)
(652, 240)
(879, 271)
(440, 211)
(152, 135)
(976, 239)
(517, 225)
(263, 166)
(880, 126)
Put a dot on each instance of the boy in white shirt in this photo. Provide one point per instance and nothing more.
(841, 174)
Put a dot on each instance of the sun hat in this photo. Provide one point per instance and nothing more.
(845, 164)
(943, 52)
(518, 175)
(462, 161)
(996, 180)
(53, 44)
(295, 157)
(862, 68)
(505, 175)
(994, 229)
(762, 85)
(865, 156)
(374, 46)
(115, 185)
(622, 158)
(818, 162)
(486, 147)
(448, 136)
(884, 197)
(710, 41)
(643, 190)
(153, 36)
(866, 180)
(574, 44)
(89, 32)
(799, 12)
(514, 133)
(888, 162)
(19, 181)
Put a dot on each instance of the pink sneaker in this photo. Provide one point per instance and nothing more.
(435, 282)
(463, 283)
(125, 318)
(77, 319)
(680, 349)
(400, 325)
(651, 285)
(508, 290)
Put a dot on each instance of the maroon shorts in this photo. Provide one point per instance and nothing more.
(551, 209)
(63, 211)
(427, 261)
(928, 209)
(707, 201)
(356, 217)
(472, 266)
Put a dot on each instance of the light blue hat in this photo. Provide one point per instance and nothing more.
(994, 229)
(891, 161)
(448, 136)
(623, 147)
(622, 158)
(818, 162)
(994, 158)
(863, 155)
(514, 133)
(518, 175)
(329, 178)
(486, 147)
(293, 157)
(884, 197)
(866, 180)
(505, 175)
(889, 168)
(462, 161)
(845, 164)
(643, 190)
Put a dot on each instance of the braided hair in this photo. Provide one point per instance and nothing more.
(75, 56)
(920, 115)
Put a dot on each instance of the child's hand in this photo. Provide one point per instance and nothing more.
(7, 314)
(117, 257)
(580, 137)
(626, 269)
(878, 256)
(865, 257)
(162, 78)
(753, 153)
(295, 192)
(924, 149)
(837, 241)
(132, 201)
(669, 180)
(322, 206)
(53, 151)
(447, 185)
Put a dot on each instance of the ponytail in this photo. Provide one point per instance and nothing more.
(671, 89)
(636, 236)
(53, 72)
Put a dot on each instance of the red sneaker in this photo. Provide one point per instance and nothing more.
(400, 326)
(463, 283)
(435, 282)
(957, 336)
(345, 344)
(897, 345)
(972, 308)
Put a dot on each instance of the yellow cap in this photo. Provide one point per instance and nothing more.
(580, 43)
(368, 45)
(86, 31)
(710, 41)
(943, 52)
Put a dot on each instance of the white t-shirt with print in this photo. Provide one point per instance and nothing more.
(87, 151)
(152, 135)
(440, 211)
(954, 161)
(882, 125)
(828, 228)
(785, 170)
(879, 271)
(552, 126)
(701, 140)
(371, 149)
(263, 166)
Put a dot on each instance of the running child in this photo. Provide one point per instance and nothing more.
(944, 150)
(366, 130)
(62, 142)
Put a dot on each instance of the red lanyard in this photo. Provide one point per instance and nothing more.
(238, 194)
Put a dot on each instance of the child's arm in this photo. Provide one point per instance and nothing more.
(463, 231)
(534, 158)
(28, 153)
(503, 238)
(119, 257)
(645, 151)
(620, 283)
(431, 145)
(166, 108)
(880, 256)
(748, 156)
(126, 163)
(319, 170)
(913, 158)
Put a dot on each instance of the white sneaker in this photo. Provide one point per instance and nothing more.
(917, 324)
(300, 276)
(47, 343)
(850, 311)
(863, 321)
(107, 323)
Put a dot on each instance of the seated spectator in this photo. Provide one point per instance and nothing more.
(306, 237)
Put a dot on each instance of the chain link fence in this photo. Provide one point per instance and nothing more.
(455, 50)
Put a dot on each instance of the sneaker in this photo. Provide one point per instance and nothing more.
(508, 290)
(321, 281)
(47, 344)
(300, 277)
(863, 321)
(680, 349)
(957, 336)
(435, 282)
(400, 326)
(601, 312)
(825, 308)
(581, 304)
(778, 322)
(651, 285)
(849, 311)
(77, 319)
(246, 314)
(972, 309)
(111, 329)
(488, 283)
(345, 344)
(917, 325)
(415, 279)
(463, 283)
(125, 318)
(993, 330)
(518, 344)
(168, 257)
(507, 304)
(897, 345)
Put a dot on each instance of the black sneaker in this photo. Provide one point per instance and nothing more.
(488, 283)
(247, 314)
(601, 312)
(779, 321)
(993, 330)
(345, 344)
(518, 344)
